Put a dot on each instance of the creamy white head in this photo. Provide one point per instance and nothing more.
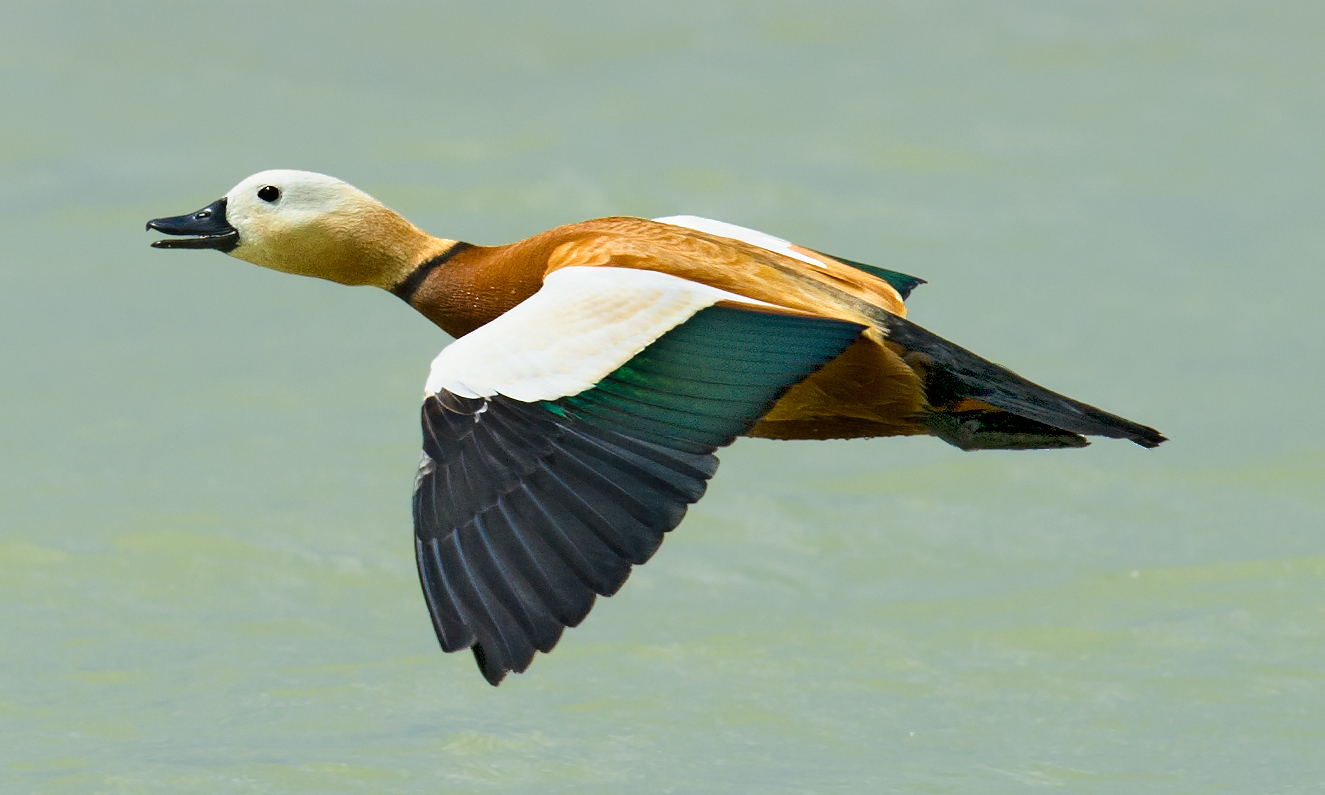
(313, 225)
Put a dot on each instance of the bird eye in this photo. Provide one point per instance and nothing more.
(269, 193)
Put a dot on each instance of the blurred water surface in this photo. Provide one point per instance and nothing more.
(206, 581)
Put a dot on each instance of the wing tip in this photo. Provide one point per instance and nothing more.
(1148, 438)
(491, 669)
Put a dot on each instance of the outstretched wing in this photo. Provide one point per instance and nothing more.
(562, 440)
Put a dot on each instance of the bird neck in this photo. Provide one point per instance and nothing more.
(464, 286)
(389, 250)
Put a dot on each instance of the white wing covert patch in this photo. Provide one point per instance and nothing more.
(581, 325)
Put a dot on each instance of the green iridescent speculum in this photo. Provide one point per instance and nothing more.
(710, 379)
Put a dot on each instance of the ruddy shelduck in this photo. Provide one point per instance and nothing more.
(596, 369)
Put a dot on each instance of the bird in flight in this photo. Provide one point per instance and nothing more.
(596, 369)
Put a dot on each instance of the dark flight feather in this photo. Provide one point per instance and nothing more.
(957, 373)
(526, 512)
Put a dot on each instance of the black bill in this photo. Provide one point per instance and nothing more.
(207, 228)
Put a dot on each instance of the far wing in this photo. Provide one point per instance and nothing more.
(900, 282)
(562, 440)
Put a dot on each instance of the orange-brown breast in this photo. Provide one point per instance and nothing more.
(482, 283)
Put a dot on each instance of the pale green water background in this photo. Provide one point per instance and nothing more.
(206, 581)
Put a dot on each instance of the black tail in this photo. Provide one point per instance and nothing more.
(1042, 418)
